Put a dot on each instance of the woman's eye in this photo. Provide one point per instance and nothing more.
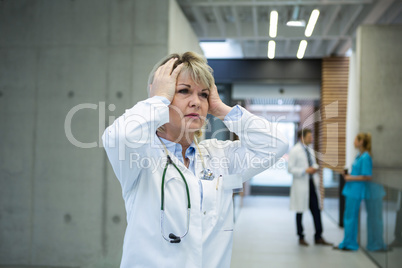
(183, 91)
(204, 95)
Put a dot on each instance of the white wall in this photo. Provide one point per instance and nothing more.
(353, 108)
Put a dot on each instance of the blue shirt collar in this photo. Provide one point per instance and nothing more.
(176, 149)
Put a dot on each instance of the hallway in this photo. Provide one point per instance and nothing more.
(265, 236)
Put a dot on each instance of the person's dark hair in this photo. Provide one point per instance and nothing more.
(303, 133)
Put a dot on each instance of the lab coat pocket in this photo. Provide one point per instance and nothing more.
(225, 211)
(209, 203)
(232, 182)
(224, 200)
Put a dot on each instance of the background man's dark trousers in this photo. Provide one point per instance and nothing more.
(315, 210)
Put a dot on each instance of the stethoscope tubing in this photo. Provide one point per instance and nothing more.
(210, 176)
(169, 161)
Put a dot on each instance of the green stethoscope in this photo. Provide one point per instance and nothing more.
(206, 174)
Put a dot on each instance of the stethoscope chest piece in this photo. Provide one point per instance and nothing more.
(207, 174)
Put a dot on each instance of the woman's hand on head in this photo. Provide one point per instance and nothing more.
(216, 106)
(164, 83)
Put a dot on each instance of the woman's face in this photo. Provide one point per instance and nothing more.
(358, 143)
(189, 107)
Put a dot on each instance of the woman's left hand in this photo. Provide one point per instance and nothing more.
(216, 106)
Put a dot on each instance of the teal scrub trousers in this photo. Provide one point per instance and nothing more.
(351, 223)
(375, 239)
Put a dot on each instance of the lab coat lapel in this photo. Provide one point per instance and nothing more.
(303, 154)
(186, 172)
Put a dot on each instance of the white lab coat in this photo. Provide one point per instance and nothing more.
(300, 189)
(209, 240)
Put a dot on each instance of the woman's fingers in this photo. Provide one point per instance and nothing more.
(176, 71)
(157, 72)
(162, 69)
(213, 99)
(167, 67)
(164, 83)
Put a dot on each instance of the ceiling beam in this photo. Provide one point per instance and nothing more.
(199, 17)
(235, 15)
(236, 19)
(278, 38)
(219, 21)
(345, 46)
(286, 47)
(255, 21)
(376, 12)
(352, 18)
(345, 28)
(255, 27)
(276, 3)
(315, 46)
(331, 47)
(393, 14)
(327, 26)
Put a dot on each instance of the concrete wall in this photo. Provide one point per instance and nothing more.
(61, 205)
(380, 80)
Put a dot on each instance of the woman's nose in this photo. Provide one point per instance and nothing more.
(194, 101)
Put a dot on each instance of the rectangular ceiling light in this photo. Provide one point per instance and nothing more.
(273, 24)
(311, 22)
(296, 23)
(271, 49)
(302, 49)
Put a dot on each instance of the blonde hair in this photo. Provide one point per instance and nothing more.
(366, 138)
(195, 65)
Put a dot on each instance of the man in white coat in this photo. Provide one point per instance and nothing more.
(304, 192)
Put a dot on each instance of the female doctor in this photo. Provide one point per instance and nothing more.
(178, 192)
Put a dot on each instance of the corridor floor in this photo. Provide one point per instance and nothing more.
(265, 236)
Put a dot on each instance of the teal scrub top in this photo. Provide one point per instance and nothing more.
(362, 166)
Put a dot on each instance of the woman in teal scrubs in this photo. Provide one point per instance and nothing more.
(355, 190)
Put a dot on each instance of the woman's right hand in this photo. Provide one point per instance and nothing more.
(164, 83)
(311, 170)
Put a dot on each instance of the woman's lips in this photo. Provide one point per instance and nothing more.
(193, 115)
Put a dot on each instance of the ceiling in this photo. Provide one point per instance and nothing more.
(245, 23)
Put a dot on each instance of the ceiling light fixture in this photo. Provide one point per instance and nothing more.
(302, 49)
(273, 23)
(311, 22)
(296, 23)
(271, 49)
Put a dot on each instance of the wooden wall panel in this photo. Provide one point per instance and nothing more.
(332, 127)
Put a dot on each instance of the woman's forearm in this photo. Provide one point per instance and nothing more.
(357, 178)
